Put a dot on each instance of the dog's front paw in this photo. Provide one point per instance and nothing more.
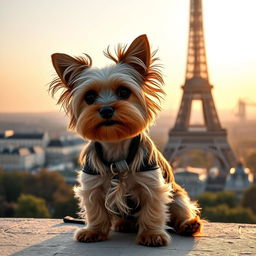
(190, 227)
(153, 238)
(87, 236)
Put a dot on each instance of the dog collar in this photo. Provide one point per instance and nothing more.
(123, 165)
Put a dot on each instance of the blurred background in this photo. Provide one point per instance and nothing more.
(39, 158)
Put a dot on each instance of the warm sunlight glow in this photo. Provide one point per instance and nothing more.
(232, 170)
(197, 116)
(8, 133)
(32, 30)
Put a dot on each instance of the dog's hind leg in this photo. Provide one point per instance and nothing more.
(184, 214)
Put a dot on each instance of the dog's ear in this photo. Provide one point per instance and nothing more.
(68, 67)
(138, 54)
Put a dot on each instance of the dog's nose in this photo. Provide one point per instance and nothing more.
(106, 112)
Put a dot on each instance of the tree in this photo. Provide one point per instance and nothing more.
(51, 186)
(1, 183)
(222, 213)
(64, 202)
(214, 199)
(29, 206)
(228, 198)
(249, 198)
(7, 209)
(11, 184)
(69, 207)
(47, 185)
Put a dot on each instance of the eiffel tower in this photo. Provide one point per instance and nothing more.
(209, 134)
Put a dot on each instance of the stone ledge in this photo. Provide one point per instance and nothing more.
(53, 237)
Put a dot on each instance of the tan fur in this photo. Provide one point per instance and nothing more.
(102, 197)
(153, 238)
(153, 193)
(131, 121)
(66, 79)
(124, 225)
(88, 236)
(184, 214)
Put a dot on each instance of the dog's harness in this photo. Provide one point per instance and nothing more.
(120, 167)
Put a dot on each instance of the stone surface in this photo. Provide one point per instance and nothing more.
(53, 237)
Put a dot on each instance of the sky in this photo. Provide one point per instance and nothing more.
(32, 30)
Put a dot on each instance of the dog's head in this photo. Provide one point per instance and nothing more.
(111, 103)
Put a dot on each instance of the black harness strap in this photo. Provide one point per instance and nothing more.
(133, 149)
(145, 166)
(88, 169)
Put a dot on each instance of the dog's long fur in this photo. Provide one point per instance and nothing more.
(101, 197)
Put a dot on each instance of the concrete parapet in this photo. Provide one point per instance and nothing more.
(53, 237)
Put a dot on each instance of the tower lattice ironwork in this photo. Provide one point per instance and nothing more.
(209, 135)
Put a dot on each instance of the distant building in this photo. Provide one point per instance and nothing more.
(216, 180)
(22, 151)
(22, 158)
(62, 153)
(192, 179)
(10, 139)
(238, 179)
(39, 156)
(30, 151)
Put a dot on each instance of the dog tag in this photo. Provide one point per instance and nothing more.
(119, 167)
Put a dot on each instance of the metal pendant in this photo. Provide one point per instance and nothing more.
(119, 167)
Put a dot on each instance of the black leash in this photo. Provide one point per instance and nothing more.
(69, 219)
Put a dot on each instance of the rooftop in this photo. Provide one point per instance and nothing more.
(22, 136)
(65, 142)
(23, 151)
(31, 136)
(53, 237)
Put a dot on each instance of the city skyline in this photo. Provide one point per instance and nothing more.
(31, 31)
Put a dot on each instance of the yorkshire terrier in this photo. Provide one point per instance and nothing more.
(125, 184)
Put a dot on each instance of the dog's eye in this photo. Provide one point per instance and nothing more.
(123, 92)
(90, 97)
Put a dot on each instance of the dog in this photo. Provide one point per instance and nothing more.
(125, 184)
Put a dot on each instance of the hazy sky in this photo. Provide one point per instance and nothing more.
(31, 30)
